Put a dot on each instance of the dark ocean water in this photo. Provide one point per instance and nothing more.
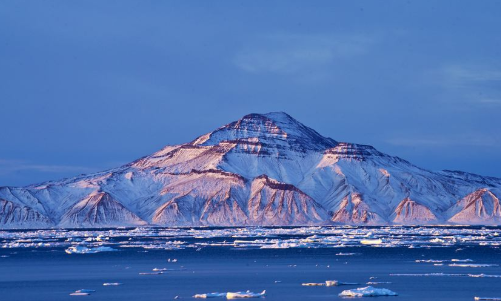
(51, 274)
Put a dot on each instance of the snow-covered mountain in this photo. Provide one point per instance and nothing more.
(264, 169)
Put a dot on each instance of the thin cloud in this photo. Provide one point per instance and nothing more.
(466, 140)
(490, 101)
(294, 53)
(471, 84)
(464, 74)
(12, 166)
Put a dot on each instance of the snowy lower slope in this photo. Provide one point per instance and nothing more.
(264, 169)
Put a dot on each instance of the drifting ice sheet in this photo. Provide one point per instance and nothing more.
(337, 283)
(472, 265)
(231, 295)
(247, 294)
(85, 250)
(85, 291)
(371, 241)
(368, 291)
(323, 237)
(210, 295)
(79, 294)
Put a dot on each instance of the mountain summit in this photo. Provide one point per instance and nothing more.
(263, 169)
(276, 128)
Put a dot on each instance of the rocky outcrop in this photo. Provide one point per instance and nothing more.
(275, 203)
(478, 207)
(13, 215)
(411, 212)
(353, 210)
(99, 209)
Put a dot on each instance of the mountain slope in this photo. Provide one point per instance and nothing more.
(264, 169)
(99, 209)
(478, 207)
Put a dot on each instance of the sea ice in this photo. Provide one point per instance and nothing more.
(472, 265)
(331, 283)
(484, 276)
(430, 261)
(85, 250)
(431, 274)
(312, 284)
(371, 241)
(368, 291)
(488, 298)
(210, 295)
(79, 294)
(338, 283)
(112, 283)
(247, 294)
(304, 237)
(85, 291)
(151, 273)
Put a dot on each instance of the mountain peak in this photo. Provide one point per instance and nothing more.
(275, 128)
(263, 169)
(276, 117)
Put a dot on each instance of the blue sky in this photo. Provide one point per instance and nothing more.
(89, 85)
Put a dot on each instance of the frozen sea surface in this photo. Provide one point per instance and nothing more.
(35, 266)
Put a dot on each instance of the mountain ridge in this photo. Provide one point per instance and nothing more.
(263, 169)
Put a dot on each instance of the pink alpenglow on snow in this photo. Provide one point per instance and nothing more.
(263, 169)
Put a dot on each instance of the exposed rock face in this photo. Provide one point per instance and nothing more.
(410, 212)
(479, 207)
(264, 169)
(203, 198)
(12, 214)
(99, 209)
(353, 210)
(275, 203)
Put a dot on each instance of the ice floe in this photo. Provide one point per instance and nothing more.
(210, 295)
(247, 294)
(79, 294)
(84, 290)
(151, 238)
(313, 284)
(85, 250)
(112, 283)
(447, 275)
(231, 295)
(472, 265)
(328, 283)
(338, 283)
(484, 276)
(367, 291)
(371, 241)
(151, 273)
(430, 261)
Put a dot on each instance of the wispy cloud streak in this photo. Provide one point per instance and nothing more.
(287, 53)
(11, 166)
(472, 84)
(470, 140)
